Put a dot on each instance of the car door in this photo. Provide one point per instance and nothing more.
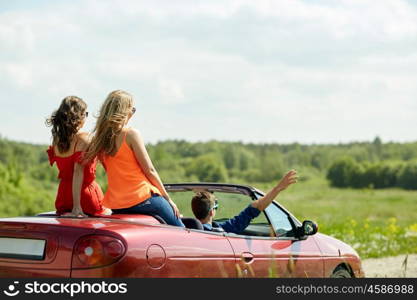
(180, 252)
(280, 255)
(208, 254)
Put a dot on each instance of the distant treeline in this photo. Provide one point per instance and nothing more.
(26, 177)
(375, 163)
(348, 173)
(27, 183)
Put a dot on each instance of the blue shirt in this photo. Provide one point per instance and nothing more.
(236, 224)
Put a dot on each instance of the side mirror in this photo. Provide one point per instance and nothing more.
(309, 228)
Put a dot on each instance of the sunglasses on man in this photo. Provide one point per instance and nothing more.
(216, 205)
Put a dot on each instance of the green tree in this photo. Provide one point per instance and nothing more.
(208, 168)
(407, 177)
(342, 172)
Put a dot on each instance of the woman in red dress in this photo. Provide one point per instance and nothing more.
(78, 192)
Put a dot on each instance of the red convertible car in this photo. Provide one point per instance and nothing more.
(275, 244)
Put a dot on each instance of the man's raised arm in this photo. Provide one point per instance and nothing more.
(286, 181)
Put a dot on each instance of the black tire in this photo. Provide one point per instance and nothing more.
(341, 272)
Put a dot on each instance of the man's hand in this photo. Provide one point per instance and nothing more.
(287, 180)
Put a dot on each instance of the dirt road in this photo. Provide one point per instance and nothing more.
(391, 266)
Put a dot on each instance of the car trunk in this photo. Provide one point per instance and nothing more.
(42, 246)
(36, 247)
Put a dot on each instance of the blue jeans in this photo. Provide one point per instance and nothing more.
(155, 205)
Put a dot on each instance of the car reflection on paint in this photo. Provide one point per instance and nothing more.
(142, 246)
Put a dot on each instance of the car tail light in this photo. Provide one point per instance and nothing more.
(96, 251)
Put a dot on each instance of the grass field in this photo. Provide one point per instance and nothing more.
(376, 223)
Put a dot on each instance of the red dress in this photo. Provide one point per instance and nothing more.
(91, 194)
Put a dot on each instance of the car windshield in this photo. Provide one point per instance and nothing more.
(230, 205)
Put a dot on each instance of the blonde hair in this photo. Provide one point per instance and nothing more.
(113, 116)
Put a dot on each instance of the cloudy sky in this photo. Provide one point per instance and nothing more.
(255, 71)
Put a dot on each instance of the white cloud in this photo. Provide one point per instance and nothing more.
(19, 75)
(171, 91)
(251, 66)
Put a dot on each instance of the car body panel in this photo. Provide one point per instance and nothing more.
(60, 235)
(199, 254)
(335, 253)
(159, 250)
(58, 250)
(277, 257)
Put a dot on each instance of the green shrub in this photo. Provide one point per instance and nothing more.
(342, 173)
(208, 168)
(407, 177)
(346, 172)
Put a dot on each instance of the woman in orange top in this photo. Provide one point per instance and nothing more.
(134, 185)
(78, 193)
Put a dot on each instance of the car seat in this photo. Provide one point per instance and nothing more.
(192, 223)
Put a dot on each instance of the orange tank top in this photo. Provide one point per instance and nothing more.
(127, 184)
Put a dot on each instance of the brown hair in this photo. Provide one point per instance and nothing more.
(65, 121)
(112, 117)
(201, 204)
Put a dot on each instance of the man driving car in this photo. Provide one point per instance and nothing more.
(204, 206)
